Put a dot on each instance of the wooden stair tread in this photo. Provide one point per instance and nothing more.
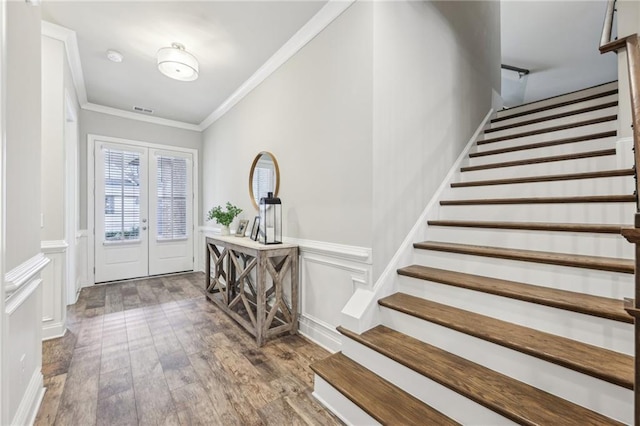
(537, 160)
(519, 402)
(553, 106)
(562, 259)
(598, 362)
(533, 226)
(552, 117)
(602, 307)
(543, 200)
(546, 144)
(550, 129)
(379, 398)
(547, 178)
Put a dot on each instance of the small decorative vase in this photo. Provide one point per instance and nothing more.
(224, 230)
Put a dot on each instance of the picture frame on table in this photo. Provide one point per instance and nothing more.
(242, 227)
(255, 228)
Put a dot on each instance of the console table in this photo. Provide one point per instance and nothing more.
(249, 281)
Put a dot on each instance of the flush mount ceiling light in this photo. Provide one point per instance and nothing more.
(177, 63)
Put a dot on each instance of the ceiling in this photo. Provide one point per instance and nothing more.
(230, 39)
(558, 42)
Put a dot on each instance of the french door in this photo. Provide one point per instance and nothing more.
(143, 211)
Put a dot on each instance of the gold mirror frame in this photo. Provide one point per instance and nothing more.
(253, 168)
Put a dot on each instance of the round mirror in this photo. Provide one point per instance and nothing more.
(264, 177)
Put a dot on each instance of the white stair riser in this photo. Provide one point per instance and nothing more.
(580, 165)
(439, 397)
(612, 335)
(559, 110)
(597, 395)
(340, 405)
(590, 244)
(559, 99)
(589, 281)
(553, 122)
(604, 213)
(601, 186)
(548, 151)
(549, 136)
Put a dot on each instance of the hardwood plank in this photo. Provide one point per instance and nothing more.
(515, 400)
(533, 226)
(553, 117)
(547, 178)
(538, 160)
(51, 401)
(379, 398)
(574, 260)
(553, 106)
(118, 409)
(545, 144)
(550, 129)
(602, 307)
(601, 363)
(543, 200)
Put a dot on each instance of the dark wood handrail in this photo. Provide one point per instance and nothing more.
(631, 45)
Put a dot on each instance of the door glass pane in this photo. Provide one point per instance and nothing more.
(122, 195)
(172, 198)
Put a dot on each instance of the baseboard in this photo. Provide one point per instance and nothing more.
(320, 333)
(53, 331)
(28, 408)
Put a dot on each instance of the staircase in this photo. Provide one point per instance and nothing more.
(512, 309)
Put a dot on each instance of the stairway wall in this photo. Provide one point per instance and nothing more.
(435, 65)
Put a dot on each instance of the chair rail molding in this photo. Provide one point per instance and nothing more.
(23, 273)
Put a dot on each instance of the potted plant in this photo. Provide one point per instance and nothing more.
(224, 218)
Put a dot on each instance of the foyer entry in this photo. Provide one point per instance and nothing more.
(143, 210)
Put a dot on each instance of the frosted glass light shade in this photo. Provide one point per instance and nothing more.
(177, 63)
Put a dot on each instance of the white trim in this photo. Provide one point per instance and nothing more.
(18, 297)
(355, 253)
(139, 117)
(311, 29)
(28, 408)
(91, 141)
(71, 195)
(54, 246)
(319, 332)
(360, 313)
(24, 273)
(68, 37)
(359, 276)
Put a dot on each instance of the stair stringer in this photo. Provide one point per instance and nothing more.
(361, 312)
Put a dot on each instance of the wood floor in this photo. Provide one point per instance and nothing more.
(155, 352)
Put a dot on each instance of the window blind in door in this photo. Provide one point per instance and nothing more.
(172, 198)
(122, 195)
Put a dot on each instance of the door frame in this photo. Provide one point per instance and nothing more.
(91, 229)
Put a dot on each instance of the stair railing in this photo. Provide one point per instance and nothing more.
(631, 45)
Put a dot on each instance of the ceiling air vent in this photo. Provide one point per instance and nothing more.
(143, 110)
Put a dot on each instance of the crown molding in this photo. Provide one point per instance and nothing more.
(68, 37)
(139, 117)
(312, 28)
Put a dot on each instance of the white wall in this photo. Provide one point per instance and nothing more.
(21, 379)
(314, 114)
(108, 125)
(365, 122)
(434, 65)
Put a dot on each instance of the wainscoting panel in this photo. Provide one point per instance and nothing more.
(23, 382)
(54, 283)
(329, 275)
(82, 265)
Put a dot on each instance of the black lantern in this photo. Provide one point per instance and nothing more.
(270, 220)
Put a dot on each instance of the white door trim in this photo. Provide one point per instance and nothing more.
(70, 195)
(91, 142)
